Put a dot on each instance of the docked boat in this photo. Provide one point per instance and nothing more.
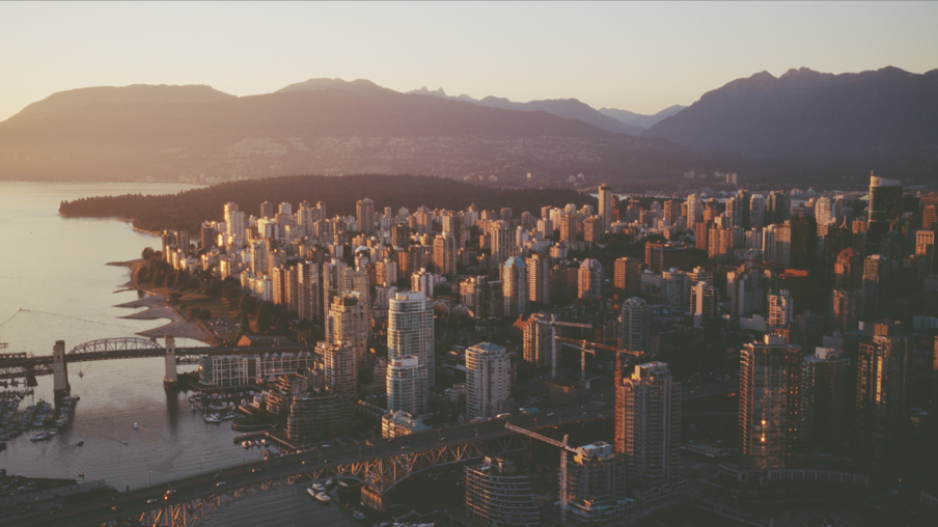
(229, 417)
(318, 487)
(125, 442)
(42, 436)
(358, 515)
(212, 419)
(312, 492)
(324, 498)
(136, 426)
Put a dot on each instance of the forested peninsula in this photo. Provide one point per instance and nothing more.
(187, 210)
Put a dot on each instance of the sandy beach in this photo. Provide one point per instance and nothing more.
(156, 306)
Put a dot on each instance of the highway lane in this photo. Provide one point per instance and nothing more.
(206, 485)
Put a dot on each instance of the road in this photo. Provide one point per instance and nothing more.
(205, 485)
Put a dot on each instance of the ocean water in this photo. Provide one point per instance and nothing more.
(54, 285)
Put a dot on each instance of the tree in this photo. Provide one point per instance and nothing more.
(247, 303)
(214, 289)
(170, 280)
(245, 323)
(265, 315)
(147, 253)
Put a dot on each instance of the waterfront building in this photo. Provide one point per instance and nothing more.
(769, 380)
(498, 496)
(222, 371)
(596, 486)
(397, 423)
(315, 417)
(410, 334)
(488, 380)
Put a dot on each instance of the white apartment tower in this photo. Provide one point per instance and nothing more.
(410, 334)
(402, 384)
(487, 380)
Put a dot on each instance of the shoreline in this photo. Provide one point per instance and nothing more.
(157, 307)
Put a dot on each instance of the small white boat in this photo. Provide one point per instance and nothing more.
(323, 497)
(41, 436)
(125, 442)
(358, 515)
(136, 426)
(318, 487)
(312, 492)
(212, 419)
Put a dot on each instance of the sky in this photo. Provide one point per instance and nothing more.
(638, 56)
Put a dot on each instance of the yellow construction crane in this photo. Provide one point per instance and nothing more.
(587, 346)
(552, 324)
(564, 448)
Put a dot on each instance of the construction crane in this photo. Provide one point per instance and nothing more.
(587, 346)
(564, 448)
(552, 324)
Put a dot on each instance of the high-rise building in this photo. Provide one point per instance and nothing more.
(695, 206)
(627, 279)
(444, 254)
(803, 242)
(514, 287)
(672, 211)
(635, 325)
(537, 340)
(590, 280)
(781, 309)
(538, 277)
(846, 306)
(568, 226)
(663, 256)
(453, 225)
(596, 486)
(778, 208)
(309, 291)
(883, 387)
(605, 206)
(488, 380)
(422, 282)
(824, 399)
(341, 371)
(593, 230)
(757, 212)
(877, 274)
(234, 225)
(402, 375)
(648, 424)
(410, 334)
(504, 243)
(769, 380)
(822, 211)
(267, 209)
(333, 280)
(346, 324)
(498, 496)
(674, 288)
(365, 211)
(704, 303)
(885, 207)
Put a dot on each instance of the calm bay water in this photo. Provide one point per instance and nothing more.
(53, 269)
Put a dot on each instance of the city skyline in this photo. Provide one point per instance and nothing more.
(405, 46)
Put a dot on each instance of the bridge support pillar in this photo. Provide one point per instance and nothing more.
(169, 378)
(374, 499)
(60, 386)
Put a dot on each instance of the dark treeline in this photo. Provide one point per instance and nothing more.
(187, 210)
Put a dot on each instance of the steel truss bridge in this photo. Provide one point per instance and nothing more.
(19, 365)
(379, 466)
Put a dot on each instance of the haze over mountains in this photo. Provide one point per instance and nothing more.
(804, 124)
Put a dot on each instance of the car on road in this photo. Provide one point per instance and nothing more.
(404, 447)
(255, 470)
(221, 484)
(325, 461)
(550, 414)
(116, 508)
(152, 500)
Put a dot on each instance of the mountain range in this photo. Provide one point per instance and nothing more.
(887, 113)
(608, 119)
(804, 124)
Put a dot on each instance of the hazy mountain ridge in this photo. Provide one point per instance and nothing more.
(330, 127)
(566, 108)
(883, 113)
(641, 120)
